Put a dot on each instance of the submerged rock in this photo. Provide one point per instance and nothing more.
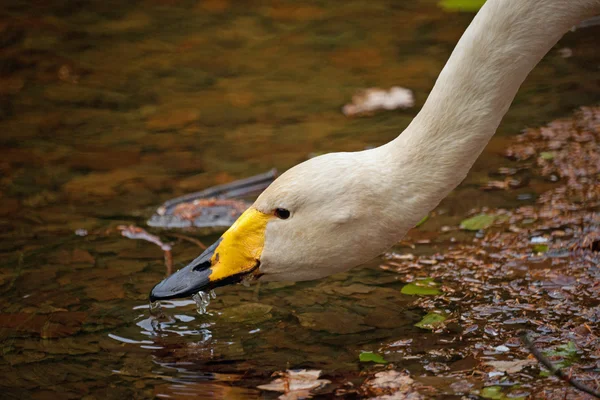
(252, 312)
(338, 322)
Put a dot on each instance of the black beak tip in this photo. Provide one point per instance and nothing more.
(153, 296)
(183, 283)
(188, 280)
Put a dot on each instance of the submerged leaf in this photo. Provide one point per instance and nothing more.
(546, 155)
(297, 382)
(431, 321)
(461, 5)
(423, 287)
(369, 356)
(540, 248)
(478, 222)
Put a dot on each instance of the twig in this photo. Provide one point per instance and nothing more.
(134, 232)
(169, 262)
(542, 359)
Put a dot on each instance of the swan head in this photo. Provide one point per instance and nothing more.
(321, 217)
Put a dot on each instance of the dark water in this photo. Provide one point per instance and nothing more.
(109, 108)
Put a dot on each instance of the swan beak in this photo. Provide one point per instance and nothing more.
(235, 255)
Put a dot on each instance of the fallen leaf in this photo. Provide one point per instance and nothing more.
(391, 385)
(296, 384)
(423, 287)
(369, 356)
(510, 367)
(492, 392)
(431, 321)
(478, 222)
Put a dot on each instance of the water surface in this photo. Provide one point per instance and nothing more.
(110, 108)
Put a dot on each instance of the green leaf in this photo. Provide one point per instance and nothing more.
(422, 221)
(492, 392)
(422, 287)
(369, 356)
(431, 321)
(568, 352)
(461, 5)
(481, 221)
(540, 248)
(547, 155)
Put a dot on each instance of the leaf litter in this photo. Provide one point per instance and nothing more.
(508, 278)
(534, 267)
(296, 384)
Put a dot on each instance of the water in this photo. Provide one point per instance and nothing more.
(110, 108)
(202, 300)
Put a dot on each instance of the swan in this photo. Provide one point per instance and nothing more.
(340, 210)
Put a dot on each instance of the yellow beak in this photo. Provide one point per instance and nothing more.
(228, 260)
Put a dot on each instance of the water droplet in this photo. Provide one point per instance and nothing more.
(202, 300)
(213, 294)
(155, 308)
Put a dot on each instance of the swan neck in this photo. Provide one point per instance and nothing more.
(503, 43)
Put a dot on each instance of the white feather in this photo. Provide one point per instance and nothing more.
(347, 208)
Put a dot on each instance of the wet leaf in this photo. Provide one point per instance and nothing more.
(540, 248)
(510, 367)
(423, 287)
(431, 321)
(496, 393)
(298, 382)
(369, 356)
(391, 385)
(568, 350)
(568, 354)
(492, 392)
(461, 5)
(478, 222)
(219, 390)
(546, 155)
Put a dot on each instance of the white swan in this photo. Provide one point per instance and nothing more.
(340, 210)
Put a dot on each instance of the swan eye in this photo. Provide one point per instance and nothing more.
(282, 213)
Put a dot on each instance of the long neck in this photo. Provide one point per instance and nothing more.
(501, 46)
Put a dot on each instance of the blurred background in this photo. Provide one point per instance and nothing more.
(109, 108)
